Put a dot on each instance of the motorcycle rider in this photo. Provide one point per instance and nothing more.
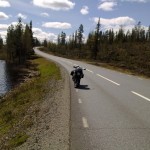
(77, 73)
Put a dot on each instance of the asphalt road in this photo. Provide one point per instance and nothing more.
(110, 111)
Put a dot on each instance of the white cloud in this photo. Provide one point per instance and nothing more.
(108, 0)
(140, 1)
(3, 16)
(4, 3)
(3, 26)
(22, 16)
(84, 10)
(57, 25)
(44, 14)
(107, 5)
(3, 34)
(41, 35)
(115, 23)
(38, 33)
(54, 4)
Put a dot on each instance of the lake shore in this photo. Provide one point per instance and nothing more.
(38, 111)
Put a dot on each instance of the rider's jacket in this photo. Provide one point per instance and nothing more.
(77, 72)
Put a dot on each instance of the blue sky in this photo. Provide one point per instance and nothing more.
(51, 17)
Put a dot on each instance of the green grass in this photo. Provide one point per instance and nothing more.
(120, 68)
(18, 139)
(47, 70)
(14, 107)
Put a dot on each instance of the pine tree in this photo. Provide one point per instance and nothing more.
(120, 35)
(36, 42)
(96, 40)
(80, 35)
(27, 42)
(1, 42)
(45, 43)
(19, 43)
(76, 39)
(63, 38)
(31, 34)
(90, 43)
(111, 36)
(58, 39)
(147, 37)
(11, 48)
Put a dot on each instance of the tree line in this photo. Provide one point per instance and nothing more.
(129, 49)
(19, 42)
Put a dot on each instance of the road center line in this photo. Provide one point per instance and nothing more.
(108, 79)
(69, 62)
(85, 123)
(79, 101)
(90, 71)
(140, 78)
(140, 96)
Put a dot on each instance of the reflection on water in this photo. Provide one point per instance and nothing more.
(7, 77)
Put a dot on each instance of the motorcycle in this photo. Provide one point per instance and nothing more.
(77, 74)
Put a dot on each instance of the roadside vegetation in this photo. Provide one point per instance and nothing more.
(128, 51)
(18, 106)
(3, 54)
(122, 50)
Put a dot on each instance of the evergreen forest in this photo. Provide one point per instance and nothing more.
(128, 50)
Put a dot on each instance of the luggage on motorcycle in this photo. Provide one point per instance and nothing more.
(72, 72)
(77, 74)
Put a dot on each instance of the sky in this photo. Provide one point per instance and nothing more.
(51, 17)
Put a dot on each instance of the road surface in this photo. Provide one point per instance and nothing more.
(110, 111)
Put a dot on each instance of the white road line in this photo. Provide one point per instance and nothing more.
(108, 79)
(85, 123)
(69, 62)
(140, 78)
(140, 96)
(79, 101)
(90, 71)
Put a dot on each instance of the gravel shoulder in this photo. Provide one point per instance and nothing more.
(51, 122)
